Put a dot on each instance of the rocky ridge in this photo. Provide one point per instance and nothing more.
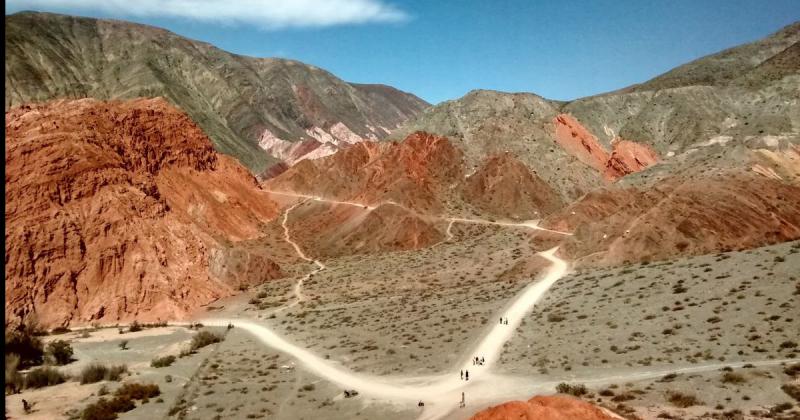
(114, 210)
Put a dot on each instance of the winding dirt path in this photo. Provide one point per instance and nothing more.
(298, 287)
(441, 393)
(437, 391)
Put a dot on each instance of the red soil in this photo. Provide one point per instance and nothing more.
(555, 407)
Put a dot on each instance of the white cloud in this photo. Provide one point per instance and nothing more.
(268, 14)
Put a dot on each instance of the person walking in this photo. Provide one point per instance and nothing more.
(466, 375)
(482, 360)
(462, 374)
(463, 402)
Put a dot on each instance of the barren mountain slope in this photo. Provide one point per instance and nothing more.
(120, 211)
(241, 102)
(754, 103)
(423, 173)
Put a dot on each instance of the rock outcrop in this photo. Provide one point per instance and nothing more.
(114, 209)
(505, 187)
(680, 215)
(555, 407)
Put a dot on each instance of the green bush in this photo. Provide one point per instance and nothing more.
(160, 362)
(135, 327)
(204, 338)
(60, 351)
(44, 376)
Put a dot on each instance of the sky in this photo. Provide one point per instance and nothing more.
(442, 49)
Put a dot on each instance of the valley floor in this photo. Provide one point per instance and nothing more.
(691, 325)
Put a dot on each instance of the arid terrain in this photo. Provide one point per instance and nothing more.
(323, 249)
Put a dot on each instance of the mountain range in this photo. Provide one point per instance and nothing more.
(262, 111)
(702, 159)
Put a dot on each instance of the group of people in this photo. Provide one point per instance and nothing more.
(464, 376)
(478, 361)
(503, 321)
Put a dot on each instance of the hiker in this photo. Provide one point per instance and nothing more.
(482, 360)
(506, 321)
(420, 404)
(463, 403)
(467, 375)
(501, 320)
(26, 406)
(462, 374)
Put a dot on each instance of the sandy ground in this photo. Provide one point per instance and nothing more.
(739, 306)
(405, 312)
(102, 346)
(410, 316)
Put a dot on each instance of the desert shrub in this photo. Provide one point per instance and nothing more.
(123, 400)
(262, 295)
(60, 352)
(204, 338)
(14, 380)
(115, 373)
(575, 390)
(26, 345)
(606, 393)
(137, 391)
(682, 400)
(792, 370)
(97, 372)
(160, 362)
(59, 330)
(92, 373)
(44, 376)
(555, 318)
(792, 390)
(105, 409)
(123, 345)
(788, 345)
(733, 378)
(135, 327)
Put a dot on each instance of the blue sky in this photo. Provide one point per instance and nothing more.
(440, 50)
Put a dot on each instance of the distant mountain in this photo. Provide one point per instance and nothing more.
(259, 110)
(701, 115)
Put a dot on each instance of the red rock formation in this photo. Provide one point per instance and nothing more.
(579, 142)
(412, 173)
(504, 186)
(113, 209)
(325, 230)
(555, 407)
(627, 157)
(680, 216)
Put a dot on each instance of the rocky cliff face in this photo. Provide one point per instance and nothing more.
(114, 209)
(253, 109)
